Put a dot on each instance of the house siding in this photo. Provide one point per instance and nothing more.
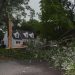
(15, 45)
(5, 40)
(19, 42)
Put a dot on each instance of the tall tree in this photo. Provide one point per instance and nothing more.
(10, 7)
(31, 25)
(55, 20)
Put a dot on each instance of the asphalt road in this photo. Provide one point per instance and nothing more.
(8, 67)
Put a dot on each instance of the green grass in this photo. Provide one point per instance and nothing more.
(23, 54)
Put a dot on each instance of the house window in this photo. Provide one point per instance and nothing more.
(31, 35)
(25, 34)
(24, 43)
(17, 35)
(17, 42)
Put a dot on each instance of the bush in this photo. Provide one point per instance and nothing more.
(70, 72)
(23, 54)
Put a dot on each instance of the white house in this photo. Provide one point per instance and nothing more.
(19, 38)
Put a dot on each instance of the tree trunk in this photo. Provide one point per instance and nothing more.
(9, 34)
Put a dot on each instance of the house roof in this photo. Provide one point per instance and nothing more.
(28, 35)
(19, 38)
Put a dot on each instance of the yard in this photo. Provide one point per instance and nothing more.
(31, 62)
(24, 62)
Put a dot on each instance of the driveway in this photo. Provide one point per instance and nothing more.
(8, 67)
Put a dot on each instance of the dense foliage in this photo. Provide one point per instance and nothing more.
(32, 25)
(9, 8)
(57, 18)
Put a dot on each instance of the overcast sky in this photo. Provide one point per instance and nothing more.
(72, 1)
(36, 6)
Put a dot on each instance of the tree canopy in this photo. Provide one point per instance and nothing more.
(56, 18)
(11, 8)
(31, 25)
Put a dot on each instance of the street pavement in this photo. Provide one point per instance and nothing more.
(13, 67)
